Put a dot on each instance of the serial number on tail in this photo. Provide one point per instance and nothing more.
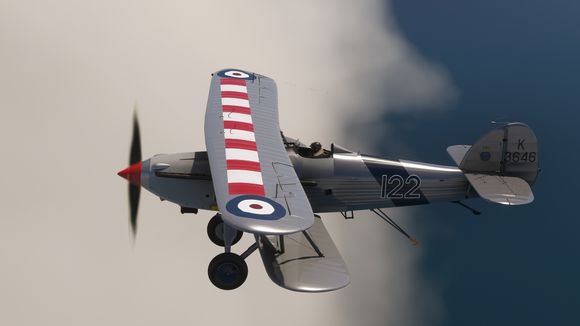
(517, 157)
(398, 187)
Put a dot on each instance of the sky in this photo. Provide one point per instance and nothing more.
(510, 61)
(402, 79)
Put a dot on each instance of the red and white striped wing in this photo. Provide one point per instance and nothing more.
(248, 159)
(244, 174)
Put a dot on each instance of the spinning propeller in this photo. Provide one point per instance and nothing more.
(133, 174)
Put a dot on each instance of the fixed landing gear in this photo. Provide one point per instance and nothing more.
(215, 232)
(227, 271)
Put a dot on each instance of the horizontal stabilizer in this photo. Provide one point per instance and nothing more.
(298, 263)
(501, 189)
(457, 152)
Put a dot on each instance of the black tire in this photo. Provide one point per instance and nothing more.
(216, 234)
(227, 271)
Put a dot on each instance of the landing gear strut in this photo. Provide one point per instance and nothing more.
(215, 231)
(227, 270)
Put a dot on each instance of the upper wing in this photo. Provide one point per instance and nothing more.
(256, 187)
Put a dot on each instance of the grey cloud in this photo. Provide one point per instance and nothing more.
(71, 72)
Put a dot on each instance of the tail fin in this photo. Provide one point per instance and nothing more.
(511, 150)
(508, 153)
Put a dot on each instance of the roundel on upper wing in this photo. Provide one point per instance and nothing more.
(257, 207)
(234, 73)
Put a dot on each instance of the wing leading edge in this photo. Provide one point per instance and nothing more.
(256, 187)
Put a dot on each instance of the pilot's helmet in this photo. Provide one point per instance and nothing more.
(315, 146)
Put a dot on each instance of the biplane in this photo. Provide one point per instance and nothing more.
(272, 187)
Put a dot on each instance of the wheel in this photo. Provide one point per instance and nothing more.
(215, 231)
(227, 271)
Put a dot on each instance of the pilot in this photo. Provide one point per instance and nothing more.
(316, 149)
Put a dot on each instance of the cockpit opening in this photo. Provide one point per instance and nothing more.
(315, 149)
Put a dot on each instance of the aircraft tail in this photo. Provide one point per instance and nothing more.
(499, 162)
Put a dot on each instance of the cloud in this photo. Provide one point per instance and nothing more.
(71, 73)
(387, 75)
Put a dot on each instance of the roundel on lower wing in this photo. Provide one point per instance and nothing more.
(258, 207)
(239, 74)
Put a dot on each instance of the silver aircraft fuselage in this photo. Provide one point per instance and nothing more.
(340, 182)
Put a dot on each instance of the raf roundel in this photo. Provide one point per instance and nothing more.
(236, 74)
(239, 74)
(485, 156)
(257, 207)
